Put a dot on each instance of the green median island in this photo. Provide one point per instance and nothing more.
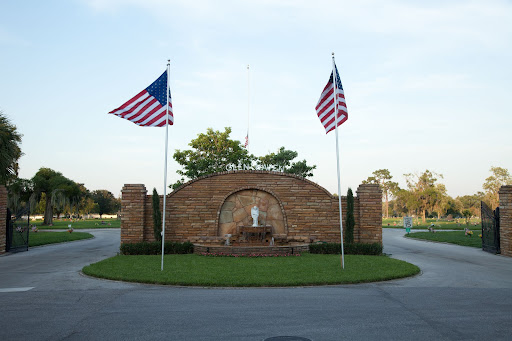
(437, 224)
(44, 238)
(452, 237)
(78, 224)
(236, 271)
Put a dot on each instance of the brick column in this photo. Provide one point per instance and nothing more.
(505, 195)
(133, 201)
(370, 214)
(3, 218)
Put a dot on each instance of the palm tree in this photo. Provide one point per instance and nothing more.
(10, 150)
(59, 191)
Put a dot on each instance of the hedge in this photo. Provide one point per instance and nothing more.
(374, 249)
(155, 248)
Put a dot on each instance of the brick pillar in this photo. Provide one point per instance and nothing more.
(3, 218)
(370, 214)
(133, 201)
(505, 195)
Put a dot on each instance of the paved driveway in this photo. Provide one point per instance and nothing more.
(461, 294)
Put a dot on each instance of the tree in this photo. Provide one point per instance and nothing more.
(423, 192)
(399, 204)
(20, 193)
(471, 203)
(157, 216)
(40, 205)
(500, 177)
(79, 200)
(467, 214)
(106, 201)
(454, 206)
(282, 161)
(59, 191)
(349, 220)
(382, 177)
(88, 206)
(10, 150)
(440, 201)
(211, 153)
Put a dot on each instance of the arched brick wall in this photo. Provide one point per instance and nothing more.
(193, 210)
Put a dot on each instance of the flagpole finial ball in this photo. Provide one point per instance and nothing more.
(333, 53)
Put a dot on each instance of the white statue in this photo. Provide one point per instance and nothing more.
(255, 212)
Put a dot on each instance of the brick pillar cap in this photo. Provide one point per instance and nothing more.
(368, 188)
(134, 185)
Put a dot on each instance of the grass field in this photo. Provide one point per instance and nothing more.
(303, 270)
(79, 224)
(452, 237)
(43, 238)
(438, 224)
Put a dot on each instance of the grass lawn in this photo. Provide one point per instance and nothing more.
(439, 224)
(43, 238)
(452, 237)
(303, 270)
(79, 224)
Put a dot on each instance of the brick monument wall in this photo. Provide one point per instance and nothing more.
(132, 213)
(505, 195)
(370, 214)
(310, 212)
(3, 218)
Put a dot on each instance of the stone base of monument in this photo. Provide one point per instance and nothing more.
(251, 249)
(252, 240)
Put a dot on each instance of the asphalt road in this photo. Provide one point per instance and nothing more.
(461, 294)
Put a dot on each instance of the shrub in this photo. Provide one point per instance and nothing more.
(157, 216)
(155, 248)
(349, 220)
(374, 249)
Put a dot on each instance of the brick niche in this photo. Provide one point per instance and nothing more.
(205, 208)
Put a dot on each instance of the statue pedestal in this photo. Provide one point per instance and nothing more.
(259, 231)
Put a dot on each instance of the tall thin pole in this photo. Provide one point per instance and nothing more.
(334, 79)
(248, 105)
(165, 166)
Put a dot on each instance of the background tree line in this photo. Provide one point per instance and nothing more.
(425, 195)
(48, 192)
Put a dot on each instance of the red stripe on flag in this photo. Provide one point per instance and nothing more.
(155, 117)
(148, 110)
(132, 112)
(133, 100)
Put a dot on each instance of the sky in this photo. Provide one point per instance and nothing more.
(427, 84)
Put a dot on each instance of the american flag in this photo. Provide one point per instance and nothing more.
(246, 140)
(325, 107)
(148, 108)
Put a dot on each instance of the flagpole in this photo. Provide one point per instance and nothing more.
(165, 166)
(248, 105)
(334, 79)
